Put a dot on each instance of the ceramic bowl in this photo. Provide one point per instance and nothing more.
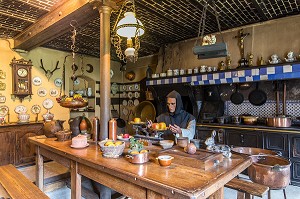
(166, 144)
(165, 160)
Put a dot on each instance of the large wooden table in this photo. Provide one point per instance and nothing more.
(149, 180)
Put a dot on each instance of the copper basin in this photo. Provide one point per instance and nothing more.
(269, 170)
(252, 151)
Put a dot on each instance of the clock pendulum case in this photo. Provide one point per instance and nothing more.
(21, 78)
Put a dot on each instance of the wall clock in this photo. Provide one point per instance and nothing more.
(21, 78)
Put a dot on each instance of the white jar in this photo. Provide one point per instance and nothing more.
(182, 72)
(190, 71)
(89, 92)
(169, 73)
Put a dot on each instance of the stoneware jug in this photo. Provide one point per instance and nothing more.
(51, 127)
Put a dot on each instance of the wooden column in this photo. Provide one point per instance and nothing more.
(105, 8)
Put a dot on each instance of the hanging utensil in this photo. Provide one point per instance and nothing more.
(257, 97)
(237, 97)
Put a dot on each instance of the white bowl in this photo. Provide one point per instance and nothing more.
(166, 144)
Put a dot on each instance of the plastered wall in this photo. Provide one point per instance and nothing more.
(273, 37)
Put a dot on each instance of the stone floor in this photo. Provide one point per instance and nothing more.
(292, 192)
(53, 170)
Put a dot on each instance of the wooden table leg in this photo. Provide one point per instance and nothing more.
(39, 172)
(75, 181)
(219, 194)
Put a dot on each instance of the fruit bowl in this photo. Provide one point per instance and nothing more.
(111, 151)
(73, 104)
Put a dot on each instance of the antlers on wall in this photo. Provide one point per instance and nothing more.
(49, 73)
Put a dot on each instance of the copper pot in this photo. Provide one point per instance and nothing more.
(138, 158)
(279, 121)
(272, 171)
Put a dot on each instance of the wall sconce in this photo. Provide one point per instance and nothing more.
(129, 27)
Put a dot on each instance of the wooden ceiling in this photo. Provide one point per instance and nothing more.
(46, 23)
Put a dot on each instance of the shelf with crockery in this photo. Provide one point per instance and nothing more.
(272, 72)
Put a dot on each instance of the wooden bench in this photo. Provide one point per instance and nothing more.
(247, 189)
(17, 185)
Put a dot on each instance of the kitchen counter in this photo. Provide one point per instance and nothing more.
(292, 129)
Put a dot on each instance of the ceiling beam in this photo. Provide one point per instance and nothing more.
(55, 23)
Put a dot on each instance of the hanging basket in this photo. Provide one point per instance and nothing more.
(73, 104)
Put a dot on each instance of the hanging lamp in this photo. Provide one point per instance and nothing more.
(130, 28)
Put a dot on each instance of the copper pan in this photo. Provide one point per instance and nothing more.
(269, 170)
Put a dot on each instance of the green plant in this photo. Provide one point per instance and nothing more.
(136, 144)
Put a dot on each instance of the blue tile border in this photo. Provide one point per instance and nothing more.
(271, 72)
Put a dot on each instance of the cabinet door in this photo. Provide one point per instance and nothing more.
(244, 138)
(295, 146)
(25, 151)
(277, 142)
(7, 148)
(295, 171)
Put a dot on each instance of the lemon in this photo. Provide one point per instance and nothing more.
(134, 152)
(108, 143)
(111, 144)
(118, 143)
(144, 151)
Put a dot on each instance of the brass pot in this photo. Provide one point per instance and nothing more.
(272, 171)
(250, 120)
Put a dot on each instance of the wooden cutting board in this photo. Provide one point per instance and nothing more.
(202, 159)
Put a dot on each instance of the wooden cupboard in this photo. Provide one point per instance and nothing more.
(15, 148)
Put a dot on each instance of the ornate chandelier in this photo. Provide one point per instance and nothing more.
(129, 27)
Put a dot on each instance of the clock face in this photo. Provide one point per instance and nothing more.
(22, 72)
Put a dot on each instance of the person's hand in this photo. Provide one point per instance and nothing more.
(175, 129)
(149, 124)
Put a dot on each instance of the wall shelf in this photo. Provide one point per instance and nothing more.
(263, 73)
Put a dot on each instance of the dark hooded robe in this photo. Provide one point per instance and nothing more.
(180, 117)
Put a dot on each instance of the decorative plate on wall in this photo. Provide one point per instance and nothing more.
(3, 110)
(37, 81)
(77, 81)
(53, 92)
(124, 102)
(36, 109)
(58, 82)
(48, 103)
(42, 92)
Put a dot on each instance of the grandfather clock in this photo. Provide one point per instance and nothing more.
(21, 78)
